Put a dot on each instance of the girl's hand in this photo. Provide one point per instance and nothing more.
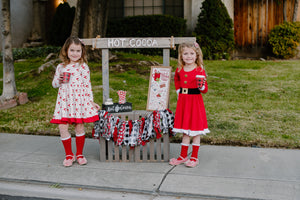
(60, 79)
(95, 105)
(202, 85)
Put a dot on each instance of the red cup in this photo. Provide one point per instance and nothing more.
(66, 77)
(122, 96)
(200, 81)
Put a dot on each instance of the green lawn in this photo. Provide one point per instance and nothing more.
(249, 103)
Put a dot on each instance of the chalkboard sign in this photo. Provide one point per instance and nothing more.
(116, 107)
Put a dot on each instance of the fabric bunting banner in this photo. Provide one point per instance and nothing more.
(134, 132)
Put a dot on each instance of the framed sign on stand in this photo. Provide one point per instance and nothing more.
(159, 88)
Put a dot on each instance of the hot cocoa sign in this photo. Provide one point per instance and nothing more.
(112, 43)
(132, 43)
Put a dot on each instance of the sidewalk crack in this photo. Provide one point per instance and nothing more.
(165, 176)
(163, 179)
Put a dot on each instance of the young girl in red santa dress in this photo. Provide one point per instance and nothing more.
(190, 116)
(74, 104)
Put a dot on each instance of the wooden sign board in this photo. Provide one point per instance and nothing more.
(159, 88)
(145, 42)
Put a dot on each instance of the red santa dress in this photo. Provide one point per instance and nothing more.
(73, 104)
(190, 116)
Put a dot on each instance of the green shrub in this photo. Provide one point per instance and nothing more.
(214, 30)
(147, 26)
(24, 53)
(284, 39)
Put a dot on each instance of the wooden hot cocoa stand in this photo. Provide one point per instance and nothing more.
(155, 149)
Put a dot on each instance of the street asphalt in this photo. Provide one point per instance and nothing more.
(31, 166)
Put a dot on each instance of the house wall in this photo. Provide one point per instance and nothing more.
(247, 17)
(21, 21)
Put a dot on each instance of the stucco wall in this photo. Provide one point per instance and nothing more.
(21, 21)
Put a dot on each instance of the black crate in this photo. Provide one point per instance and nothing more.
(117, 108)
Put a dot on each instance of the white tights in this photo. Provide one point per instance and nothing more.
(64, 130)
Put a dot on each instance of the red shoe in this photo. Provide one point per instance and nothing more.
(192, 163)
(68, 161)
(81, 160)
(175, 161)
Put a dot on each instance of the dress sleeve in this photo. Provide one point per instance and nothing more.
(177, 80)
(87, 81)
(55, 81)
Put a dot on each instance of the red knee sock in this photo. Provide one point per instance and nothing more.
(67, 142)
(195, 151)
(184, 151)
(80, 139)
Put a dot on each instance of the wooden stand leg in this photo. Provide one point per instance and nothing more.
(102, 149)
(166, 147)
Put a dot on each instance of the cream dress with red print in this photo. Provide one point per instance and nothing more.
(73, 104)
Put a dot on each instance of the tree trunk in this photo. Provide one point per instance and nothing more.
(284, 10)
(93, 22)
(295, 10)
(9, 84)
(76, 22)
(104, 13)
(94, 19)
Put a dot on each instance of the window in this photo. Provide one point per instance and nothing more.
(142, 7)
(125, 8)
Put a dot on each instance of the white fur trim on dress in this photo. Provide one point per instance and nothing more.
(191, 133)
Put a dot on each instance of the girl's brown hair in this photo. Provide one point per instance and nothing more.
(199, 57)
(64, 50)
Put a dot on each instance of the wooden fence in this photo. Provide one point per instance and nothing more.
(253, 20)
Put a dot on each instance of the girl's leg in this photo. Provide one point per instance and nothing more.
(67, 143)
(64, 131)
(184, 151)
(184, 146)
(193, 162)
(80, 140)
(196, 146)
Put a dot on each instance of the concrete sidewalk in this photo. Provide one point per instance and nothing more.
(224, 172)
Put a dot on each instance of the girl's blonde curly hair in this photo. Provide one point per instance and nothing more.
(64, 50)
(199, 56)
